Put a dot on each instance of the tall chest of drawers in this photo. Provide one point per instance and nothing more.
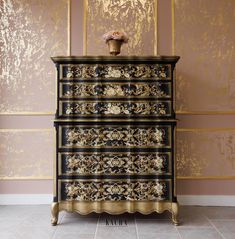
(115, 135)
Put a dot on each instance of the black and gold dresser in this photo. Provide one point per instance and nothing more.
(115, 130)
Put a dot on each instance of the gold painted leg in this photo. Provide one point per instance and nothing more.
(54, 213)
(175, 210)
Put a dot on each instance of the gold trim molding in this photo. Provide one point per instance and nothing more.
(207, 178)
(85, 3)
(173, 26)
(155, 28)
(69, 27)
(25, 113)
(26, 178)
(28, 130)
(205, 112)
(204, 129)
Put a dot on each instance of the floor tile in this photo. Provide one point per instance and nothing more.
(160, 216)
(69, 235)
(36, 232)
(199, 233)
(192, 217)
(7, 225)
(225, 227)
(107, 232)
(73, 225)
(16, 212)
(159, 236)
(219, 212)
(9, 235)
(155, 226)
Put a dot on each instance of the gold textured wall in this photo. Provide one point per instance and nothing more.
(136, 17)
(30, 33)
(26, 153)
(206, 153)
(203, 35)
(204, 38)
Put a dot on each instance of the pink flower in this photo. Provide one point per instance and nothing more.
(115, 35)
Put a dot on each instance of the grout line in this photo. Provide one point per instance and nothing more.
(178, 232)
(136, 228)
(216, 228)
(97, 224)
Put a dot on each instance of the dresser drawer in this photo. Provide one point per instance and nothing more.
(110, 108)
(104, 89)
(115, 71)
(114, 163)
(114, 190)
(115, 136)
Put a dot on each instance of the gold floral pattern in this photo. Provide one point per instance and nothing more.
(126, 136)
(154, 190)
(113, 71)
(156, 89)
(84, 108)
(116, 163)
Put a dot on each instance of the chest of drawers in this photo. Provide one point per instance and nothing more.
(115, 135)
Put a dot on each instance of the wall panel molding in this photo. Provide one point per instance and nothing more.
(217, 20)
(110, 18)
(22, 158)
(31, 32)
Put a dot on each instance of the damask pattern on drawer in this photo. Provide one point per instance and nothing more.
(111, 163)
(115, 190)
(115, 71)
(115, 136)
(115, 89)
(115, 108)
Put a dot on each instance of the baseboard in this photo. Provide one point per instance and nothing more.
(25, 199)
(207, 200)
(197, 200)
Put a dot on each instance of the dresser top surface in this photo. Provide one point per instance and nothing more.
(123, 59)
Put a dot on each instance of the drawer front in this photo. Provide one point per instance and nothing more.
(115, 108)
(115, 136)
(115, 71)
(113, 163)
(115, 190)
(115, 89)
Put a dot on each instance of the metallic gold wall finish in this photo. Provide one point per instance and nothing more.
(69, 27)
(206, 153)
(137, 18)
(21, 156)
(85, 28)
(204, 38)
(31, 32)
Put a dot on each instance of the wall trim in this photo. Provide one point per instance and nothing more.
(197, 200)
(207, 200)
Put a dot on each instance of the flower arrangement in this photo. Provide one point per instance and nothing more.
(115, 35)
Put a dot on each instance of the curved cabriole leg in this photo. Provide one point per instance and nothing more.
(175, 210)
(54, 213)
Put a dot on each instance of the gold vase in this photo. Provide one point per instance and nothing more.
(114, 47)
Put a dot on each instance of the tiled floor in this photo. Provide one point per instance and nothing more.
(33, 222)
